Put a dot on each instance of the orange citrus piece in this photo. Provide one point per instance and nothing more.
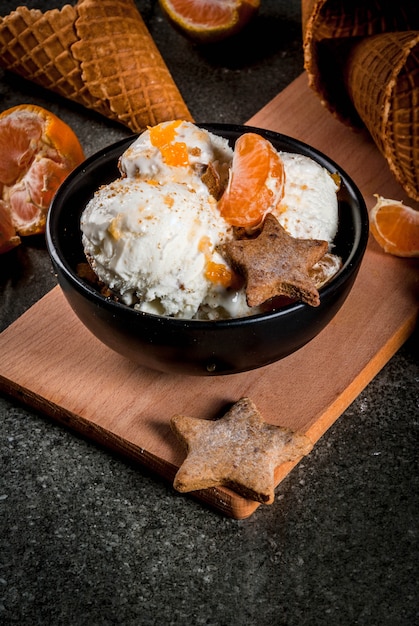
(8, 236)
(256, 182)
(208, 21)
(37, 152)
(174, 153)
(395, 227)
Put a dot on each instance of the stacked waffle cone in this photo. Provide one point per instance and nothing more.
(97, 53)
(382, 77)
(362, 59)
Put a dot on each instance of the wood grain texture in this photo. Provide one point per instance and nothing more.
(52, 363)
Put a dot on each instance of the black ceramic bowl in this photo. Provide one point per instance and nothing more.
(192, 346)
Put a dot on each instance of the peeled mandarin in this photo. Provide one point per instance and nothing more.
(37, 152)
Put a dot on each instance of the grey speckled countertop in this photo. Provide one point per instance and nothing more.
(90, 539)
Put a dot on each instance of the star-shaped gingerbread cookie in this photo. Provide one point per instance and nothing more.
(276, 264)
(239, 451)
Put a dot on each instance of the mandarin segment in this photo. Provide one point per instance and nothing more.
(19, 136)
(9, 239)
(395, 227)
(256, 182)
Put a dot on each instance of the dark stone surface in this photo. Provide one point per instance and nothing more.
(90, 539)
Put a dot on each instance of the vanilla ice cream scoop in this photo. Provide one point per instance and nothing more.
(309, 207)
(154, 245)
(177, 151)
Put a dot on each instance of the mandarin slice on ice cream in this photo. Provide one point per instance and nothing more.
(256, 182)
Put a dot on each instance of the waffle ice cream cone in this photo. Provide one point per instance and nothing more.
(330, 29)
(99, 54)
(361, 59)
(382, 81)
(122, 66)
(37, 46)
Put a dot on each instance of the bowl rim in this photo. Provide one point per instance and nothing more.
(296, 146)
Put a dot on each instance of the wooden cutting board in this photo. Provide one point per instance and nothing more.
(53, 364)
